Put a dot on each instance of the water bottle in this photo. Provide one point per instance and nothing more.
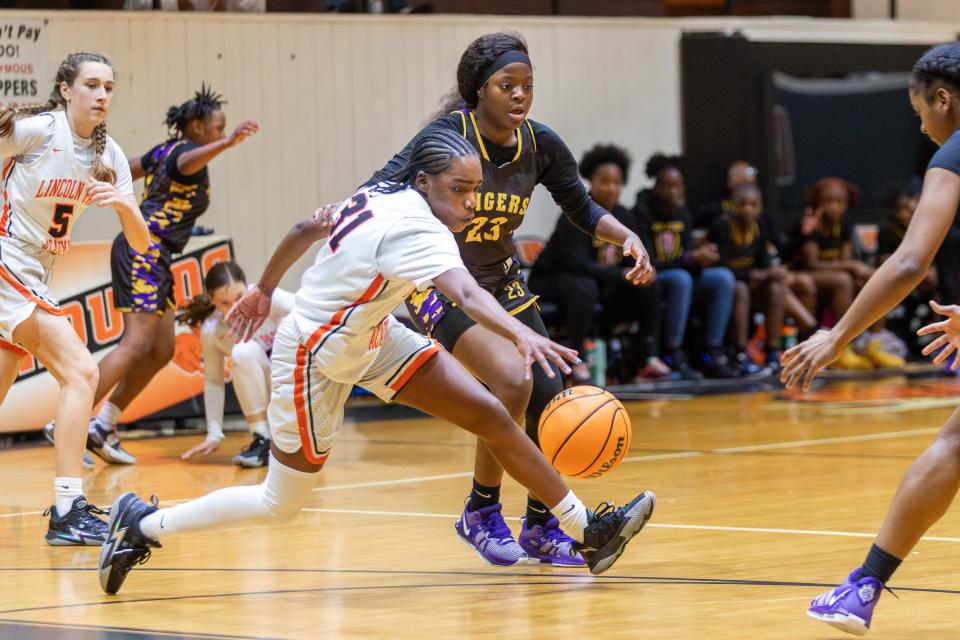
(789, 334)
(597, 361)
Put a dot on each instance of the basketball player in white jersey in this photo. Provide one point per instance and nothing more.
(55, 165)
(387, 241)
(225, 284)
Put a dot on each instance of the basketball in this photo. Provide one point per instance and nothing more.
(584, 432)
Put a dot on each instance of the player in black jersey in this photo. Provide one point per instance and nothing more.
(176, 192)
(494, 94)
(930, 485)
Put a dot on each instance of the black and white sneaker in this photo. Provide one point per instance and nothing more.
(105, 444)
(79, 527)
(610, 529)
(256, 453)
(87, 460)
(126, 546)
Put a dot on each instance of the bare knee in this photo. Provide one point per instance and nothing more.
(512, 389)
(82, 374)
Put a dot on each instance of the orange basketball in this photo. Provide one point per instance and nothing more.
(584, 432)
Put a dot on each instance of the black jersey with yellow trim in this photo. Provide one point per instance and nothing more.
(509, 177)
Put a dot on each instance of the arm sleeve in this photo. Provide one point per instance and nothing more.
(213, 381)
(413, 251)
(450, 122)
(30, 136)
(559, 175)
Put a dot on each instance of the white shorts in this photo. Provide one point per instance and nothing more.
(24, 274)
(306, 407)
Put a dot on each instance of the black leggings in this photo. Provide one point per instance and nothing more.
(544, 388)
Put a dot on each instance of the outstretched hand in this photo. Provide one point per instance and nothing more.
(326, 215)
(803, 362)
(204, 449)
(246, 129)
(536, 348)
(947, 343)
(248, 314)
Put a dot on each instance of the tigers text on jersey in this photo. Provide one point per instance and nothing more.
(44, 173)
(509, 177)
(380, 249)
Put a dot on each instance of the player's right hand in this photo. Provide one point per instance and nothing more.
(246, 129)
(950, 340)
(325, 214)
(248, 314)
(536, 348)
(205, 448)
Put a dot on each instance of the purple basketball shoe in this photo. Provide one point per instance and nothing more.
(548, 544)
(848, 607)
(485, 531)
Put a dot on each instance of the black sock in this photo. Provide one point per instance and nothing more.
(537, 513)
(879, 564)
(482, 496)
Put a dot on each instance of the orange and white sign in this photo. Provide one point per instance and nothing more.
(81, 282)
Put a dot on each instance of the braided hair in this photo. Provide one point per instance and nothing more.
(200, 308)
(477, 57)
(203, 103)
(67, 72)
(432, 154)
(938, 67)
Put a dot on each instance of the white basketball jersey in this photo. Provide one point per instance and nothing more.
(45, 192)
(381, 248)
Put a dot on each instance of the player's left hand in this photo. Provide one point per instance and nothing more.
(950, 340)
(103, 194)
(642, 271)
(246, 129)
(534, 347)
(248, 314)
(804, 361)
(204, 449)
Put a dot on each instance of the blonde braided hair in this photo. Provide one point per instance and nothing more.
(67, 72)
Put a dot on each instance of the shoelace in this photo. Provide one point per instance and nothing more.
(495, 525)
(560, 542)
(604, 518)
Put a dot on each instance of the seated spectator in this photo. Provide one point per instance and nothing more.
(826, 253)
(576, 272)
(743, 246)
(739, 173)
(688, 275)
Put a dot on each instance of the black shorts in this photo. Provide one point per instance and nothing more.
(141, 281)
(436, 316)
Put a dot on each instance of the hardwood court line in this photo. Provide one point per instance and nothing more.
(20, 513)
(655, 525)
(658, 456)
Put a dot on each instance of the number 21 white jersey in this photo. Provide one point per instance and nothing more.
(381, 247)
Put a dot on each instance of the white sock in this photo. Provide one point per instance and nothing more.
(572, 516)
(277, 500)
(109, 414)
(260, 427)
(67, 490)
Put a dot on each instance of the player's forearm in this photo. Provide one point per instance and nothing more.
(895, 278)
(296, 243)
(611, 230)
(484, 309)
(196, 159)
(134, 227)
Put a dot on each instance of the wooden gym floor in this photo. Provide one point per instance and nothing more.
(763, 502)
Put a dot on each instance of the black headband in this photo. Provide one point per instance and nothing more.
(502, 60)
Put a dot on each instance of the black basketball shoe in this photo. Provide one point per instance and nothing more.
(256, 453)
(126, 546)
(610, 529)
(78, 527)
